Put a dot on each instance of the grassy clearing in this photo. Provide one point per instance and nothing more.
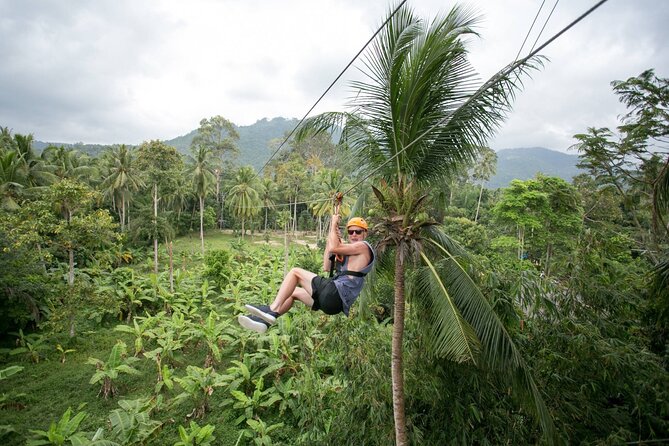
(42, 392)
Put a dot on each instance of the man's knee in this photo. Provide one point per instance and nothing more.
(298, 272)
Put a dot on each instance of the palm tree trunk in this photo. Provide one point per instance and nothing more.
(219, 210)
(202, 224)
(478, 205)
(155, 223)
(171, 263)
(122, 213)
(397, 368)
(70, 282)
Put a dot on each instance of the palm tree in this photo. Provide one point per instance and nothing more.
(12, 180)
(419, 117)
(38, 173)
(69, 163)
(244, 199)
(329, 182)
(203, 177)
(268, 190)
(122, 178)
(485, 168)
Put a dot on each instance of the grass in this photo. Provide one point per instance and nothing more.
(42, 392)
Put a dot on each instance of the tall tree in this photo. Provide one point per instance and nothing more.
(79, 226)
(38, 173)
(219, 135)
(268, 190)
(203, 176)
(12, 180)
(636, 160)
(161, 165)
(417, 119)
(244, 199)
(328, 183)
(485, 167)
(70, 163)
(121, 179)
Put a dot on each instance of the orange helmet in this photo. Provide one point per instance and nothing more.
(357, 221)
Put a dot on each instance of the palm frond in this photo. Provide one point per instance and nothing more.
(450, 335)
(498, 350)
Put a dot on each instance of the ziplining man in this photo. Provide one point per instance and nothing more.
(330, 295)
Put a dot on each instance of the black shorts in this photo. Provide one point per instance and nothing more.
(325, 295)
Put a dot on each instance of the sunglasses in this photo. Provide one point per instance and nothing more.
(355, 231)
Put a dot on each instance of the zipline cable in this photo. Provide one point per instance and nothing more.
(530, 30)
(545, 23)
(332, 85)
(504, 72)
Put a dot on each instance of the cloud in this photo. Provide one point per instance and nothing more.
(116, 71)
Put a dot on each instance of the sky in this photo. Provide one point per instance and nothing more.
(127, 71)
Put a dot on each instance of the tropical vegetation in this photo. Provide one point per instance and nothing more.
(537, 313)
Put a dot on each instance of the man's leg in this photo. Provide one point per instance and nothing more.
(295, 286)
(289, 290)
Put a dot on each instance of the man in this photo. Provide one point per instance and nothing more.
(330, 295)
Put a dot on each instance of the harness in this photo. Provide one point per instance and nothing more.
(345, 272)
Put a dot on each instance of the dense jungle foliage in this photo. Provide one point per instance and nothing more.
(121, 277)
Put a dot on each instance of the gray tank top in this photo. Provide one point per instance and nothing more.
(349, 287)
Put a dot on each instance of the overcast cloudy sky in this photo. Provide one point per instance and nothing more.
(125, 71)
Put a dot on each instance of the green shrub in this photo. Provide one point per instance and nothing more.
(218, 267)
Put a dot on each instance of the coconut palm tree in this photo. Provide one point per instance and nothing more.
(329, 182)
(121, 179)
(243, 199)
(38, 173)
(202, 172)
(268, 190)
(12, 180)
(485, 168)
(420, 116)
(69, 163)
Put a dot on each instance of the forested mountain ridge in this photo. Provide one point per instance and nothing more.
(525, 163)
(254, 141)
(255, 147)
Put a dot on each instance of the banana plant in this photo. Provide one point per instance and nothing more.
(139, 330)
(132, 423)
(165, 338)
(196, 435)
(63, 352)
(61, 432)
(260, 398)
(165, 378)
(212, 333)
(199, 385)
(31, 345)
(107, 372)
(260, 432)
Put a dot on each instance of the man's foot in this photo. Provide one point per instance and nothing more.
(251, 322)
(263, 312)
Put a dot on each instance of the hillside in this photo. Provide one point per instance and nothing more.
(254, 140)
(257, 141)
(525, 163)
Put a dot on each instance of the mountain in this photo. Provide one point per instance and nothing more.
(254, 140)
(258, 141)
(525, 163)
